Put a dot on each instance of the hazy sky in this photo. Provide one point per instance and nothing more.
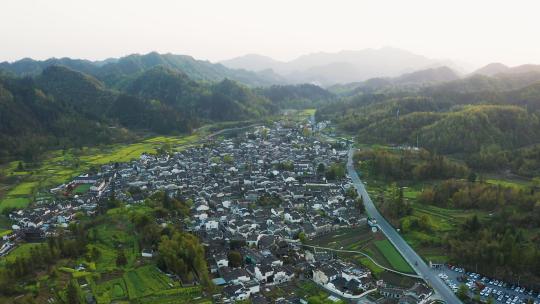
(474, 31)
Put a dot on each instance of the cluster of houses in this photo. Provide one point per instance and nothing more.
(254, 196)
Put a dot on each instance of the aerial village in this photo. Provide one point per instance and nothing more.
(261, 192)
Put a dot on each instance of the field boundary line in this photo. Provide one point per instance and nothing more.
(367, 256)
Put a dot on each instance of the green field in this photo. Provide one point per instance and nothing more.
(376, 270)
(59, 167)
(363, 240)
(509, 183)
(111, 290)
(146, 281)
(312, 292)
(82, 189)
(21, 250)
(14, 202)
(442, 221)
(23, 189)
(145, 284)
(392, 255)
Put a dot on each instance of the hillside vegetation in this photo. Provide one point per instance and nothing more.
(490, 130)
(116, 72)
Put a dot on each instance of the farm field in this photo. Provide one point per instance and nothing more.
(392, 255)
(363, 240)
(14, 202)
(144, 281)
(146, 284)
(59, 167)
(442, 221)
(21, 250)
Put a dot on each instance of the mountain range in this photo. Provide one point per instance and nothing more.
(55, 106)
(341, 67)
(72, 102)
(494, 69)
(115, 71)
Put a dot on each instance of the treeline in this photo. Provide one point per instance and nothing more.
(179, 252)
(393, 204)
(500, 245)
(408, 164)
(524, 161)
(518, 206)
(42, 256)
(497, 249)
(182, 254)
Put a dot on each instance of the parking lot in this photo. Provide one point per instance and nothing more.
(501, 292)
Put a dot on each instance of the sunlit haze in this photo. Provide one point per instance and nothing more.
(473, 32)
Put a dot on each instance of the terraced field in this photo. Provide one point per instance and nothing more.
(362, 239)
(146, 284)
(145, 281)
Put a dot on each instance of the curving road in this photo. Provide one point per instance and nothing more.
(393, 236)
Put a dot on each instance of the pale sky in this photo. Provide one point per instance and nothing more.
(473, 31)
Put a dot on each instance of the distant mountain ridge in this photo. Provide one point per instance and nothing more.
(494, 69)
(113, 71)
(408, 81)
(341, 67)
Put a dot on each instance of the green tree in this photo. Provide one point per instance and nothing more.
(359, 201)
(321, 168)
(335, 171)
(121, 259)
(228, 159)
(95, 253)
(472, 177)
(72, 294)
(302, 237)
(183, 254)
(462, 292)
(235, 259)
(351, 192)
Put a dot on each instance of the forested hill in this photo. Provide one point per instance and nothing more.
(115, 72)
(61, 107)
(442, 81)
(32, 121)
(297, 96)
(489, 129)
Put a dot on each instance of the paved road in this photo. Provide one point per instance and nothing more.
(406, 251)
